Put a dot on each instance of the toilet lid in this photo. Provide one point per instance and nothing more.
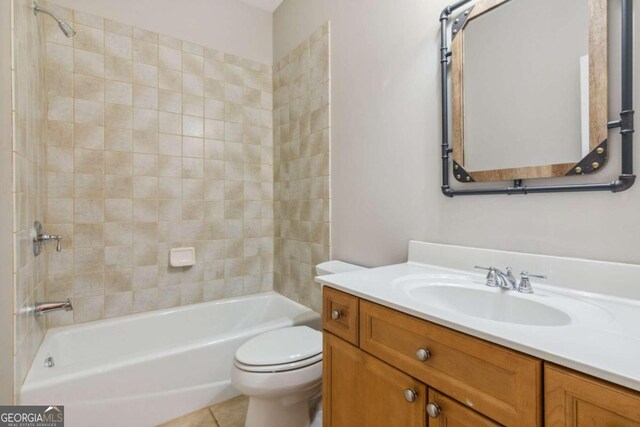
(281, 346)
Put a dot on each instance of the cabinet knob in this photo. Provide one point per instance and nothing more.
(410, 395)
(336, 314)
(433, 410)
(423, 354)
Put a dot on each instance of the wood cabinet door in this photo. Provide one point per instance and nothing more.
(577, 400)
(452, 414)
(361, 391)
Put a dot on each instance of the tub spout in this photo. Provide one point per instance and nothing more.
(48, 307)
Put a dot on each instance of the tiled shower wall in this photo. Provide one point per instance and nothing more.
(302, 171)
(29, 148)
(154, 143)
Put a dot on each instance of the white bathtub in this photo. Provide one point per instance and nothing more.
(145, 369)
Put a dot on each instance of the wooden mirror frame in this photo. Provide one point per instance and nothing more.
(598, 102)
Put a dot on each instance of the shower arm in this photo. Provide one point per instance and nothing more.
(37, 9)
(64, 26)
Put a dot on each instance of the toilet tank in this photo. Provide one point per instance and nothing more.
(335, 267)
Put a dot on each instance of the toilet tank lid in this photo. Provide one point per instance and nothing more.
(281, 346)
(336, 267)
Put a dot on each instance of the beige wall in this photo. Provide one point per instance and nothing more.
(29, 183)
(302, 140)
(386, 156)
(226, 25)
(154, 143)
(6, 214)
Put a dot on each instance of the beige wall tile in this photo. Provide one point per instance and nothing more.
(59, 57)
(300, 166)
(170, 101)
(145, 74)
(170, 123)
(89, 136)
(144, 52)
(88, 186)
(88, 20)
(87, 309)
(118, 92)
(170, 58)
(117, 45)
(118, 210)
(89, 63)
(89, 39)
(116, 68)
(117, 27)
(90, 113)
(118, 139)
(143, 131)
(60, 108)
(118, 304)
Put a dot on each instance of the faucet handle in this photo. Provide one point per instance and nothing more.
(525, 284)
(58, 239)
(492, 275)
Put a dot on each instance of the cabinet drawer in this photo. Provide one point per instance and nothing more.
(340, 314)
(453, 414)
(500, 383)
(573, 399)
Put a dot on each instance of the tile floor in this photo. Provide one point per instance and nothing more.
(230, 413)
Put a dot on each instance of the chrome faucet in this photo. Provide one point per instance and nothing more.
(41, 238)
(525, 284)
(49, 307)
(507, 280)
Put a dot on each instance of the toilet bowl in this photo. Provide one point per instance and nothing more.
(281, 373)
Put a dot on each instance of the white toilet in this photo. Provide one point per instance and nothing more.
(281, 373)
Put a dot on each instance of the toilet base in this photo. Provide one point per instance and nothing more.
(276, 413)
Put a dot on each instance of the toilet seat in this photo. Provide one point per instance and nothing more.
(281, 372)
(280, 368)
(280, 350)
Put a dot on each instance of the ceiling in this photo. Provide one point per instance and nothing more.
(268, 5)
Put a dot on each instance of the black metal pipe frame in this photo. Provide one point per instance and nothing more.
(626, 122)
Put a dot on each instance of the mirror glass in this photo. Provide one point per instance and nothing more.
(525, 88)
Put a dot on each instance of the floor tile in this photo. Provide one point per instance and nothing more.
(231, 413)
(201, 418)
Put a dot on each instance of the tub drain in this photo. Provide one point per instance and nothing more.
(48, 362)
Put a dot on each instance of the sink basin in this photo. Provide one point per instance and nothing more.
(469, 296)
(489, 304)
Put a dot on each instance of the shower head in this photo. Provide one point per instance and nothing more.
(65, 27)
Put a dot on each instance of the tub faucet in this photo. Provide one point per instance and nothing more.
(49, 307)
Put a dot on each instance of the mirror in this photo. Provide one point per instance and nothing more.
(529, 89)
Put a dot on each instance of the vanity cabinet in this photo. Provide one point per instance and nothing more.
(386, 368)
(574, 399)
(498, 382)
(361, 391)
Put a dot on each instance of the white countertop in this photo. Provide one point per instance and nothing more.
(606, 345)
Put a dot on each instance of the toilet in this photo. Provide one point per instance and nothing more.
(281, 373)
